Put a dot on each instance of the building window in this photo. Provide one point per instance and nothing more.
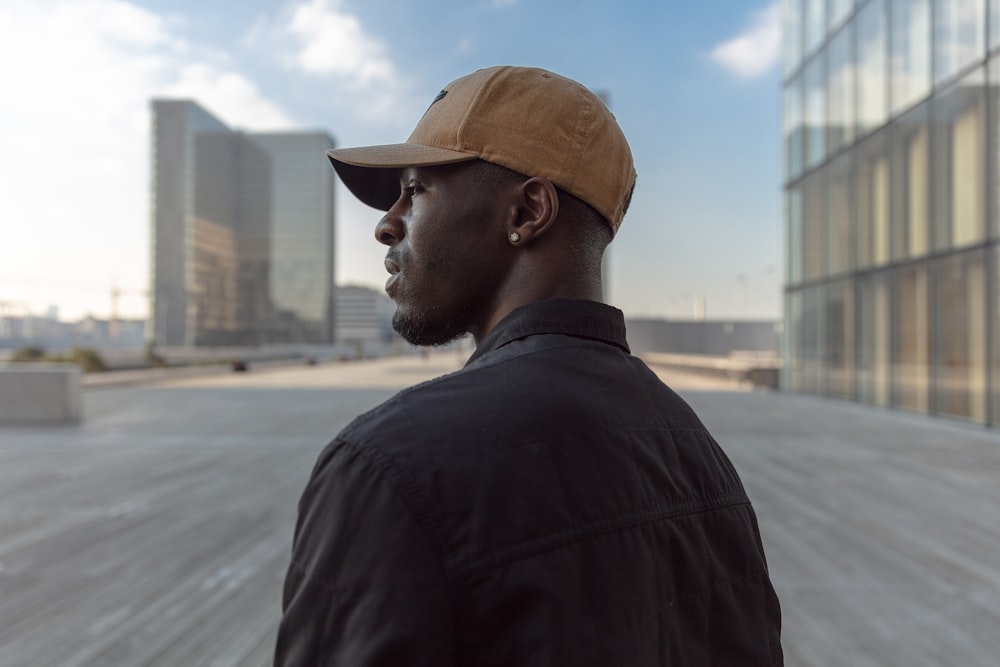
(792, 371)
(793, 235)
(994, 24)
(840, 220)
(959, 35)
(815, 108)
(811, 332)
(960, 380)
(841, 118)
(912, 339)
(873, 346)
(839, 10)
(814, 234)
(838, 320)
(994, 152)
(911, 52)
(793, 127)
(815, 23)
(911, 185)
(960, 163)
(995, 338)
(792, 34)
(872, 103)
(872, 233)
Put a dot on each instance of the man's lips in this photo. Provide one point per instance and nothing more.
(392, 266)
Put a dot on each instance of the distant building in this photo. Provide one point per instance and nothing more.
(302, 236)
(228, 222)
(708, 337)
(891, 155)
(55, 335)
(364, 316)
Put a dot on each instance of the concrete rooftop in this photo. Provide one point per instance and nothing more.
(158, 530)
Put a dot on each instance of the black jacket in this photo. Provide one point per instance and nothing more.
(552, 503)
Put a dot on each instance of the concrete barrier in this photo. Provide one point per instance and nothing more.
(46, 393)
(759, 370)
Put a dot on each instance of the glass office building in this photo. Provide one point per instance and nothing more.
(892, 160)
(302, 257)
(242, 233)
(211, 192)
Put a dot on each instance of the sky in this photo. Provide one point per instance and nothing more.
(695, 87)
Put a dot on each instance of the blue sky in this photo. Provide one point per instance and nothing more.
(695, 86)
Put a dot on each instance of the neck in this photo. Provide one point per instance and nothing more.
(530, 291)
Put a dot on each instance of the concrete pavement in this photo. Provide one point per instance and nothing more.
(157, 531)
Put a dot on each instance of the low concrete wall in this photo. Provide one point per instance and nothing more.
(39, 394)
(761, 370)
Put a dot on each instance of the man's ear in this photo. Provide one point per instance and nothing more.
(536, 210)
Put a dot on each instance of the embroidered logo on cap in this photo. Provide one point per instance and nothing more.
(440, 96)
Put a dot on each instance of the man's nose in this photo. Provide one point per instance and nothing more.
(390, 229)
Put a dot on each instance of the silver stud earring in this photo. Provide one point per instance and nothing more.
(514, 237)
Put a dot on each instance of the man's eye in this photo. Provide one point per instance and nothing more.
(411, 190)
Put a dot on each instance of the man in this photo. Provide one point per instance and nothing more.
(552, 503)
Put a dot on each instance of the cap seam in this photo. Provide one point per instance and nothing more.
(573, 156)
(460, 134)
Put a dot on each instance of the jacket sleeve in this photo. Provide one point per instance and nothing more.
(364, 588)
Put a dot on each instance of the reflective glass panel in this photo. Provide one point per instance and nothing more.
(794, 129)
(813, 305)
(959, 169)
(815, 23)
(814, 205)
(840, 102)
(840, 218)
(839, 10)
(791, 370)
(793, 236)
(911, 52)
(838, 320)
(792, 34)
(961, 336)
(815, 108)
(994, 24)
(872, 102)
(872, 233)
(873, 346)
(911, 185)
(911, 342)
(994, 150)
(959, 35)
(995, 338)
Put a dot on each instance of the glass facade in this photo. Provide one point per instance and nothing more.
(892, 194)
(230, 213)
(302, 255)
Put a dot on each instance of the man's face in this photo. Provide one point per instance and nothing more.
(447, 252)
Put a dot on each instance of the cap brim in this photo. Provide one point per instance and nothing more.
(370, 172)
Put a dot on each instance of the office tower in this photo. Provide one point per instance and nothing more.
(302, 253)
(364, 316)
(232, 216)
(891, 139)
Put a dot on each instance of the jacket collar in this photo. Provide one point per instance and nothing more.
(570, 317)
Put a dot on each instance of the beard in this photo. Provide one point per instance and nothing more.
(429, 328)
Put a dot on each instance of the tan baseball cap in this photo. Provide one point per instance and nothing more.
(523, 118)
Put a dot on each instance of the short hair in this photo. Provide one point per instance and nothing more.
(595, 232)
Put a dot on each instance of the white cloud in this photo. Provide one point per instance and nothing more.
(323, 40)
(332, 41)
(78, 76)
(755, 50)
(231, 96)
